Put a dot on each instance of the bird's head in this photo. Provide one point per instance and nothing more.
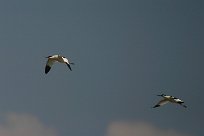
(48, 56)
(161, 95)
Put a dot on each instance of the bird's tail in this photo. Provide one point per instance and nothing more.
(184, 106)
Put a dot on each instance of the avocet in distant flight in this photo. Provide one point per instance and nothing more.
(56, 58)
(167, 99)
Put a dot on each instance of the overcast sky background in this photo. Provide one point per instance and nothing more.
(125, 53)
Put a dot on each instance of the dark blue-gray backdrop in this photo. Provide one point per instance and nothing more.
(125, 53)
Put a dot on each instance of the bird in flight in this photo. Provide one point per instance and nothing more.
(167, 99)
(56, 58)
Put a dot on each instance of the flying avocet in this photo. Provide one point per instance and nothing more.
(56, 58)
(167, 99)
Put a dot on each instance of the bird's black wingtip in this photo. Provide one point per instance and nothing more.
(156, 106)
(69, 66)
(47, 69)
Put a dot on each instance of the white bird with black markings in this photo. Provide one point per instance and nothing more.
(56, 58)
(166, 99)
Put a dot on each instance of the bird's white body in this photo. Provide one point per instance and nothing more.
(166, 99)
(56, 58)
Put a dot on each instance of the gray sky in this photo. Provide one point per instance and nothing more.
(125, 53)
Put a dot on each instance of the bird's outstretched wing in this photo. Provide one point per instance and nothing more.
(160, 103)
(48, 66)
(67, 62)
